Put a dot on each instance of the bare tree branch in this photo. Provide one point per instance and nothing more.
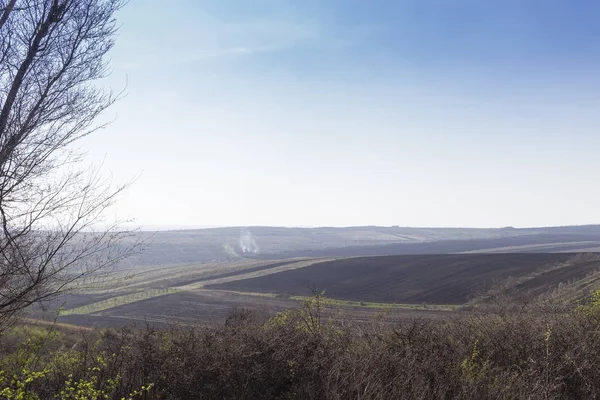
(6, 11)
(51, 53)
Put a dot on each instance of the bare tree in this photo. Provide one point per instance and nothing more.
(52, 53)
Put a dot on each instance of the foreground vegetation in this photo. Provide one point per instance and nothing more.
(537, 351)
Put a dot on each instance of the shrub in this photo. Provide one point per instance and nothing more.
(313, 353)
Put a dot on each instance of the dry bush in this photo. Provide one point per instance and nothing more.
(302, 354)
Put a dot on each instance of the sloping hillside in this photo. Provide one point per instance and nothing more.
(435, 279)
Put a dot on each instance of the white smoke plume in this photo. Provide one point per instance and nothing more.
(247, 242)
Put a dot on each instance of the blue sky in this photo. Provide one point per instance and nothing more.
(311, 113)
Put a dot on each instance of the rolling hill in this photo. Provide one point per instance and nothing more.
(179, 247)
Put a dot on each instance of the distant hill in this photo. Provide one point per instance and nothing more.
(217, 244)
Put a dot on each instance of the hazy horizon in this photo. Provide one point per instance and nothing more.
(352, 113)
(150, 227)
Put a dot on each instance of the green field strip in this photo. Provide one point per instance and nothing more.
(254, 294)
(368, 304)
(350, 303)
(119, 301)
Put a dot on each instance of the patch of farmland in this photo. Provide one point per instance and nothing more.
(239, 271)
(115, 301)
(434, 279)
(213, 306)
(538, 243)
(142, 278)
(267, 269)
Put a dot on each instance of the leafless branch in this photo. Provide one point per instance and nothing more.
(51, 53)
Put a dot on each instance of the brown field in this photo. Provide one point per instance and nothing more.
(404, 286)
(202, 306)
(434, 279)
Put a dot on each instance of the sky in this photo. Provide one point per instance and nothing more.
(421, 113)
